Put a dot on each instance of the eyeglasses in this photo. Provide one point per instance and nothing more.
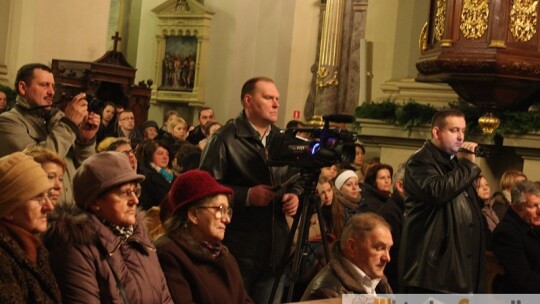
(127, 118)
(128, 193)
(220, 211)
(127, 152)
(42, 199)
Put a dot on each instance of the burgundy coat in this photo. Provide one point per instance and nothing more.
(194, 276)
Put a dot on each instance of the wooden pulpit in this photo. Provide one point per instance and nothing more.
(487, 50)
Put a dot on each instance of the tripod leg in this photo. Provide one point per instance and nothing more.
(322, 226)
(285, 256)
(301, 245)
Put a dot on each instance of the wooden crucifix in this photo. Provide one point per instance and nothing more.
(116, 38)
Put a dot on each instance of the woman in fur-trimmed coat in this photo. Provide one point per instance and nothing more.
(100, 252)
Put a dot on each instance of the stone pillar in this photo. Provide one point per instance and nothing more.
(336, 73)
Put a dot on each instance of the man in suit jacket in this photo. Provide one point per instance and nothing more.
(516, 241)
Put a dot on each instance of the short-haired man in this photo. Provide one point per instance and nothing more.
(33, 121)
(358, 260)
(236, 157)
(516, 241)
(126, 127)
(443, 242)
(206, 115)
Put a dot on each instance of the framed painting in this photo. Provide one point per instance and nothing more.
(178, 66)
(182, 42)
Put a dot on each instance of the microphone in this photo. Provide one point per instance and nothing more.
(339, 118)
(479, 151)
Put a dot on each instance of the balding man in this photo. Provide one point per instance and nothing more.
(358, 261)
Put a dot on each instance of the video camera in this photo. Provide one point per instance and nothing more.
(324, 147)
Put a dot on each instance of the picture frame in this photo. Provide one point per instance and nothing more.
(182, 41)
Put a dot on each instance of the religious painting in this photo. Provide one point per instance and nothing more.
(178, 66)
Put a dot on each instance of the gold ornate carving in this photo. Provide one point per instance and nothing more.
(440, 19)
(523, 19)
(474, 18)
(322, 78)
(422, 41)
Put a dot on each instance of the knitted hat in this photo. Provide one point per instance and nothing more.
(192, 186)
(343, 177)
(149, 123)
(21, 179)
(101, 172)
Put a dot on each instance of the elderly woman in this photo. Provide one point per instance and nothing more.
(53, 165)
(25, 274)
(377, 186)
(153, 158)
(101, 253)
(348, 200)
(198, 268)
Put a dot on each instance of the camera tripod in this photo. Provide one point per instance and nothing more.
(310, 201)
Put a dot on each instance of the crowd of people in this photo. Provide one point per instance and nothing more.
(77, 186)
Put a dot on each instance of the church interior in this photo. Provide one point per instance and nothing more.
(325, 57)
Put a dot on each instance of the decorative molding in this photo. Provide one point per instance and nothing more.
(523, 19)
(522, 68)
(474, 18)
(440, 20)
(454, 65)
(330, 48)
(423, 39)
(446, 43)
(498, 44)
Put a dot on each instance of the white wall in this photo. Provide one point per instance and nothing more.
(247, 38)
(394, 28)
(40, 31)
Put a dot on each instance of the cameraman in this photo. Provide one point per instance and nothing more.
(236, 157)
(34, 121)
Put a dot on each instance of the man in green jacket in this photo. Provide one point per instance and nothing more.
(34, 121)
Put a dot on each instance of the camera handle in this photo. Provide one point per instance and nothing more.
(302, 218)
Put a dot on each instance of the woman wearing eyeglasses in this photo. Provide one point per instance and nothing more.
(25, 274)
(198, 268)
(102, 253)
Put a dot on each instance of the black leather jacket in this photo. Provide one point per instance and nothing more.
(443, 243)
(235, 157)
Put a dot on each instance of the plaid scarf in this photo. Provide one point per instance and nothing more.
(122, 232)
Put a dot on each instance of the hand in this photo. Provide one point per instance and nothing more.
(470, 146)
(290, 204)
(89, 128)
(260, 195)
(77, 109)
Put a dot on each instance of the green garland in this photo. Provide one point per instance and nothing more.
(412, 114)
